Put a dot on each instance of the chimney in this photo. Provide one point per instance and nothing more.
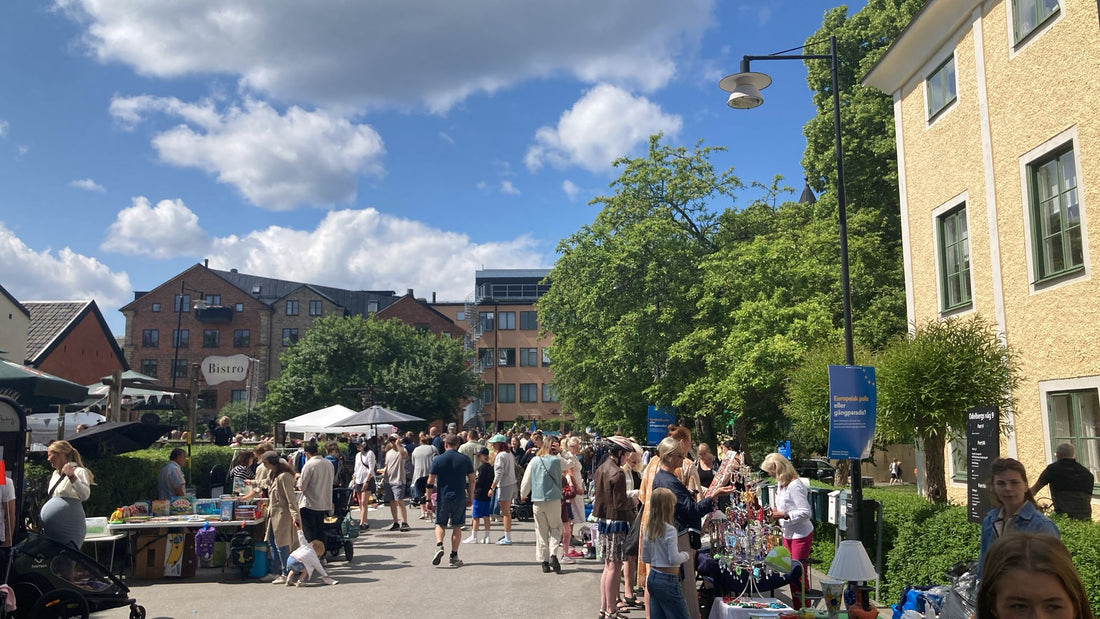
(408, 292)
(433, 297)
(232, 270)
(206, 262)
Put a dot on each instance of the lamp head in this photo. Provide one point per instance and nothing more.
(744, 89)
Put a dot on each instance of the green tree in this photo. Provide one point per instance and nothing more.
(411, 370)
(929, 380)
(870, 161)
(624, 287)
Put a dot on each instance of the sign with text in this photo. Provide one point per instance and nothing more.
(983, 446)
(216, 369)
(659, 421)
(852, 409)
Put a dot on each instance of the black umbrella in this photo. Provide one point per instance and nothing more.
(38, 390)
(117, 437)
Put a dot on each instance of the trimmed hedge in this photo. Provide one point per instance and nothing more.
(922, 540)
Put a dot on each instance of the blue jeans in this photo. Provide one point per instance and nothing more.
(281, 553)
(666, 600)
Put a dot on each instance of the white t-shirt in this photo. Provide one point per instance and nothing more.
(7, 493)
(364, 467)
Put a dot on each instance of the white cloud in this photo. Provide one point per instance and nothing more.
(570, 188)
(446, 138)
(3, 128)
(167, 230)
(61, 275)
(433, 53)
(349, 248)
(277, 161)
(603, 125)
(88, 184)
(507, 188)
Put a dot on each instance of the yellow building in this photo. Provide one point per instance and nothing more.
(998, 143)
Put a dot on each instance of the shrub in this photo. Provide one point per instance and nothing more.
(1082, 539)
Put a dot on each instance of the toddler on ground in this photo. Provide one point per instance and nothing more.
(304, 561)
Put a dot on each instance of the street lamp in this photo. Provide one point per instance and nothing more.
(744, 89)
(177, 336)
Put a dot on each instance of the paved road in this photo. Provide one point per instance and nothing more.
(392, 572)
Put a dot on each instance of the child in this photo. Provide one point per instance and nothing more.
(659, 550)
(482, 501)
(304, 561)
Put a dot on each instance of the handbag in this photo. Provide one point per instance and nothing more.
(633, 533)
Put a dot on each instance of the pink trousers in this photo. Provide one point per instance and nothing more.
(800, 551)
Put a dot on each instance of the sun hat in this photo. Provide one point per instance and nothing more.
(620, 442)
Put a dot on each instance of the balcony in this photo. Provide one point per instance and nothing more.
(214, 314)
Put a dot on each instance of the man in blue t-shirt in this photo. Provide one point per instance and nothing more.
(452, 476)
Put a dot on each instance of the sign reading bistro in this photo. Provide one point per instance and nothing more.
(217, 369)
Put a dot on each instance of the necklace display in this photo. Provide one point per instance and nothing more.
(740, 537)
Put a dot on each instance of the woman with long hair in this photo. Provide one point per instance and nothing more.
(1031, 575)
(613, 511)
(282, 507)
(679, 433)
(542, 480)
(792, 510)
(661, 552)
(241, 473)
(505, 484)
(1016, 509)
(632, 464)
(62, 517)
(571, 468)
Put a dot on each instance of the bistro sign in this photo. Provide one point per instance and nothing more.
(217, 369)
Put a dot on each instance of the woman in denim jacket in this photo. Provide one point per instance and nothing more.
(1017, 510)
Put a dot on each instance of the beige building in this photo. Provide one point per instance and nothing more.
(998, 145)
(15, 320)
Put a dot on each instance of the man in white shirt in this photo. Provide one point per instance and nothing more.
(171, 480)
(393, 484)
(315, 483)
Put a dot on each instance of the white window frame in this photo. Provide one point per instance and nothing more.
(1055, 143)
(1057, 385)
(1017, 46)
(930, 116)
(962, 199)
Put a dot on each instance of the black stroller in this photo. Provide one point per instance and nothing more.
(51, 580)
(337, 527)
(523, 510)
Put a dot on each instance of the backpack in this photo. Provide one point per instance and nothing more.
(204, 542)
(241, 549)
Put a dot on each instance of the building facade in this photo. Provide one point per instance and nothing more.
(15, 320)
(998, 146)
(71, 339)
(501, 323)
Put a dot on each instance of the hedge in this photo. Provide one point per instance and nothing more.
(922, 540)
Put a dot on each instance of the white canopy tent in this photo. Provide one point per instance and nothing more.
(323, 420)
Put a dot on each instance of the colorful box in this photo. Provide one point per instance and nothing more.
(182, 506)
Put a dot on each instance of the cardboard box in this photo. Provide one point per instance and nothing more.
(149, 555)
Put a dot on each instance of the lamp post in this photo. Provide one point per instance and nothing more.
(744, 89)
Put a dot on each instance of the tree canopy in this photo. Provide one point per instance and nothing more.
(410, 370)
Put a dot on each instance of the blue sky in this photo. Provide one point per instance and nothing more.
(380, 144)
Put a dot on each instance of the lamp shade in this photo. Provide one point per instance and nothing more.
(852, 563)
(744, 89)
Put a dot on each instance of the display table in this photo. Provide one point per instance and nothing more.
(96, 540)
(762, 607)
(180, 523)
(154, 531)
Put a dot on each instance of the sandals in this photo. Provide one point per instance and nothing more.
(632, 600)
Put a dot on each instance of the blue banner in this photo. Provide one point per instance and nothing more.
(659, 421)
(783, 448)
(852, 408)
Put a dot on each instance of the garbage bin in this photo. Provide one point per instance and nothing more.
(819, 504)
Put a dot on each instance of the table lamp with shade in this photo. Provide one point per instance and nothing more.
(851, 564)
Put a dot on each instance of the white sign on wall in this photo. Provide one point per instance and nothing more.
(217, 369)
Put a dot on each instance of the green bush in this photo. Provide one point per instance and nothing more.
(1082, 539)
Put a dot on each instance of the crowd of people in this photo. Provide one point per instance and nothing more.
(647, 507)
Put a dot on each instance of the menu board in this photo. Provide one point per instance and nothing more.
(983, 446)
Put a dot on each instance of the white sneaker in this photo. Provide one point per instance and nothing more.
(568, 559)
(470, 540)
(279, 580)
(485, 540)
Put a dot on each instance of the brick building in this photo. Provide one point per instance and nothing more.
(71, 339)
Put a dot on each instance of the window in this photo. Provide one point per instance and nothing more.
(208, 399)
(1075, 419)
(545, 357)
(181, 338)
(242, 338)
(314, 308)
(150, 338)
(507, 320)
(485, 321)
(506, 357)
(156, 308)
(954, 259)
(958, 459)
(238, 307)
(211, 338)
(290, 336)
(372, 307)
(183, 306)
(1056, 215)
(149, 367)
(460, 316)
(180, 369)
(549, 393)
(291, 308)
(238, 395)
(1028, 15)
(528, 357)
(422, 327)
(528, 392)
(506, 393)
(529, 321)
(941, 87)
(487, 394)
(214, 299)
(485, 358)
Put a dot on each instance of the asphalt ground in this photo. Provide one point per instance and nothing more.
(391, 574)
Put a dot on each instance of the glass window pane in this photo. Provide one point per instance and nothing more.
(1088, 454)
(1089, 414)
(1046, 181)
(1062, 413)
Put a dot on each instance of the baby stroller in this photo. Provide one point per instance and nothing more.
(523, 509)
(337, 532)
(51, 580)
